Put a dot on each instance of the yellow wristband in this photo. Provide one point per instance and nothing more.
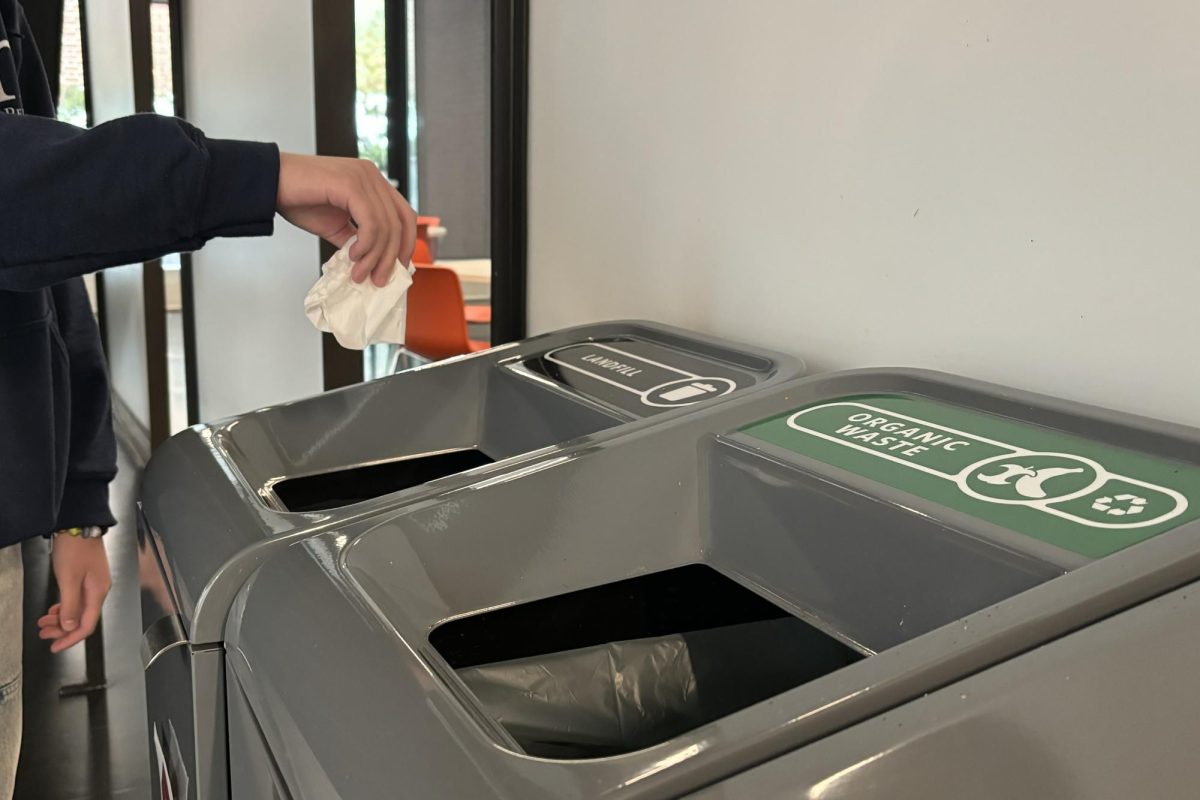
(90, 532)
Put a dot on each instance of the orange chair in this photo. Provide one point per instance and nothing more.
(437, 326)
(425, 255)
(478, 315)
(421, 254)
(426, 246)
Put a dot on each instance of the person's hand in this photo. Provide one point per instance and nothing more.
(81, 569)
(339, 198)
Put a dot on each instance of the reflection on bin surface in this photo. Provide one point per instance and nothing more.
(653, 610)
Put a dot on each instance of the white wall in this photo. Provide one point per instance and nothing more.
(249, 70)
(1003, 190)
(110, 64)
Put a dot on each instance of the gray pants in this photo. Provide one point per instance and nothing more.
(11, 594)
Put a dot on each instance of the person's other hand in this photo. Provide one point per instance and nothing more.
(339, 198)
(81, 569)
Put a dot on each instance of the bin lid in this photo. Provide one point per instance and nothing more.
(928, 568)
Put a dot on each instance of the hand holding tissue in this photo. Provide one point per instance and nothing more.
(358, 314)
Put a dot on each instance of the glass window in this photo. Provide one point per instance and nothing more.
(371, 71)
(444, 107)
(72, 97)
(160, 53)
(164, 103)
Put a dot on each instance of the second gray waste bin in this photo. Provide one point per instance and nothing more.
(221, 499)
(890, 531)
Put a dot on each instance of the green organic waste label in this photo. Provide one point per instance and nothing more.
(1070, 492)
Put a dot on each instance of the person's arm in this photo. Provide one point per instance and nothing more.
(335, 198)
(73, 201)
(81, 565)
(92, 457)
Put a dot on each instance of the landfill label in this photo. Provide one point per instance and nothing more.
(642, 375)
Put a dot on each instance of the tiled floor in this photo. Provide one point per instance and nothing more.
(93, 746)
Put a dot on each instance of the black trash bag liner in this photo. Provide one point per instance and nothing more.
(624, 696)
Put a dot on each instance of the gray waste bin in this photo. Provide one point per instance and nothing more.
(666, 609)
(219, 500)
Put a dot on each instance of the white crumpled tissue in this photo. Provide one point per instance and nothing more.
(358, 314)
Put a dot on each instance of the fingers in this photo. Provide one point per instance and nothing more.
(94, 593)
(340, 198)
(70, 589)
(386, 228)
(403, 240)
(408, 217)
(395, 233)
(375, 223)
(49, 626)
(365, 208)
(49, 620)
(84, 580)
(68, 640)
(339, 237)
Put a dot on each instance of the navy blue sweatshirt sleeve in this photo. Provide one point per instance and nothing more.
(73, 201)
(92, 449)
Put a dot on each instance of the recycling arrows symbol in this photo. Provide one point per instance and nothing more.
(1129, 504)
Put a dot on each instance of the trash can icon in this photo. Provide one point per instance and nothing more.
(690, 391)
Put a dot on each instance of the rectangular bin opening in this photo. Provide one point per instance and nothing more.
(627, 665)
(353, 485)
